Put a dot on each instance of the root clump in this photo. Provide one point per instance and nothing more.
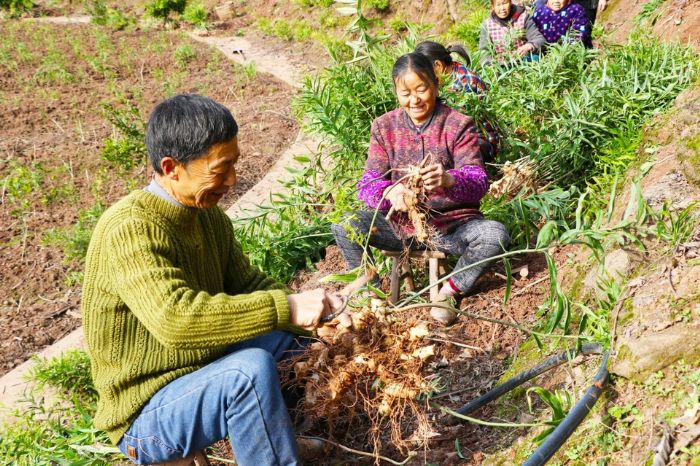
(371, 373)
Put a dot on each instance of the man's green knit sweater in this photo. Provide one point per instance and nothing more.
(167, 289)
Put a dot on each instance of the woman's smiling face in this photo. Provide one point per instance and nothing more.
(416, 95)
(556, 5)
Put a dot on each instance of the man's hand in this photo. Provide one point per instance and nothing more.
(435, 176)
(307, 308)
(527, 48)
(398, 194)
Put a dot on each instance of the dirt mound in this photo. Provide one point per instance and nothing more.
(670, 21)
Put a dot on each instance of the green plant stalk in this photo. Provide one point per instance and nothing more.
(480, 422)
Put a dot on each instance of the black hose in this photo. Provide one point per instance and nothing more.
(510, 384)
(572, 420)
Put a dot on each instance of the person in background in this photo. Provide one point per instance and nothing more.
(424, 131)
(462, 80)
(560, 20)
(592, 8)
(183, 332)
(509, 30)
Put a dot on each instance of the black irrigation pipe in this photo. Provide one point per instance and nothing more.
(572, 420)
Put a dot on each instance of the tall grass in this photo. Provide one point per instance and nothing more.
(569, 114)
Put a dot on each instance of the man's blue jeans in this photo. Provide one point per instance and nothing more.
(238, 394)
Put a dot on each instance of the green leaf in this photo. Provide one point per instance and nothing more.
(509, 279)
(459, 450)
(342, 277)
(546, 234)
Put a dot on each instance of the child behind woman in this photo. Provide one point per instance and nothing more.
(559, 19)
(509, 30)
(463, 80)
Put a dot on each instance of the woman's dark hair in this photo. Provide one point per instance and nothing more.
(185, 127)
(417, 63)
(435, 51)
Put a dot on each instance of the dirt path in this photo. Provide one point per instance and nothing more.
(244, 52)
(12, 384)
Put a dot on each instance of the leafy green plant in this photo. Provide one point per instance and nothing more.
(295, 30)
(126, 148)
(675, 227)
(196, 15)
(75, 240)
(18, 185)
(53, 69)
(559, 402)
(649, 13)
(162, 9)
(62, 432)
(313, 3)
(379, 5)
(467, 30)
(184, 54)
(16, 7)
(103, 15)
(290, 223)
(70, 372)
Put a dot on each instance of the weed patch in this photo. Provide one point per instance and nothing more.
(59, 431)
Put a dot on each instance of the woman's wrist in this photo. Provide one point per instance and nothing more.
(448, 180)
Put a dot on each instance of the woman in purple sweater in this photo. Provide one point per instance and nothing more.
(453, 177)
(560, 20)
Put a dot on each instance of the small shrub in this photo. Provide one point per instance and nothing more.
(313, 3)
(467, 31)
(102, 15)
(117, 20)
(130, 149)
(15, 7)
(328, 20)
(46, 433)
(398, 24)
(163, 8)
(74, 240)
(184, 54)
(297, 30)
(196, 15)
(68, 373)
(379, 5)
(20, 183)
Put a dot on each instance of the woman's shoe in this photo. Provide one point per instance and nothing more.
(444, 316)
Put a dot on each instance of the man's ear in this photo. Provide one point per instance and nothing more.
(169, 166)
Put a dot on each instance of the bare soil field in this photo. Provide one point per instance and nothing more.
(54, 82)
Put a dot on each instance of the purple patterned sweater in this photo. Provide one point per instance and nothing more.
(572, 19)
(451, 139)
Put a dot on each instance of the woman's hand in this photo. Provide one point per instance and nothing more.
(307, 308)
(398, 195)
(435, 176)
(525, 49)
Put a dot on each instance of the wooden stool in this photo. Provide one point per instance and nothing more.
(437, 266)
(196, 459)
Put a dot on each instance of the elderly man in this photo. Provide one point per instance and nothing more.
(183, 333)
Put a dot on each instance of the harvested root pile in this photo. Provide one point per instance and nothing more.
(369, 372)
(417, 205)
(517, 176)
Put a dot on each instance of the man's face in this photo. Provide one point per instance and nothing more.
(501, 8)
(556, 5)
(202, 182)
